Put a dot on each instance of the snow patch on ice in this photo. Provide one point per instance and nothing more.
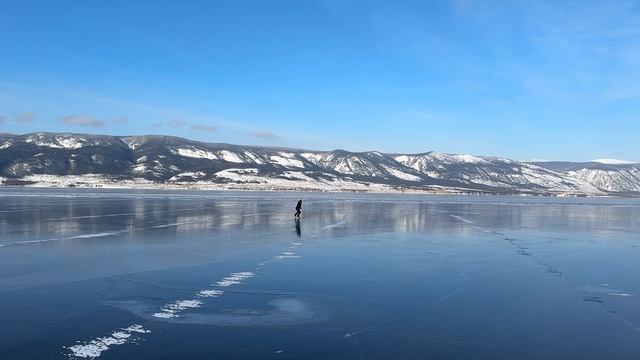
(92, 349)
(173, 309)
(210, 293)
(235, 278)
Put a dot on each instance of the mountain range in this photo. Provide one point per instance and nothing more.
(81, 159)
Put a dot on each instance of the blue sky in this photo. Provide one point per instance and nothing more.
(524, 79)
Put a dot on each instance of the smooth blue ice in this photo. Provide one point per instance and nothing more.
(123, 274)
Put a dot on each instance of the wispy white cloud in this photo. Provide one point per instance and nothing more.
(176, 123)
(204, 128)
(121, 120)
(547, 52)
(264, 134)
(25, 118)
(231, 126)
(582, 52)
(82, 120)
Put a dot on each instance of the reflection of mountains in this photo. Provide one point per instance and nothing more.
(353, 217)
(49, 217)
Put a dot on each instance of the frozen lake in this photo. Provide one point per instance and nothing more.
(115, 274)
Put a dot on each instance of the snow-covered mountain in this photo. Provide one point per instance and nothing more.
(76, 158)
(618, 177)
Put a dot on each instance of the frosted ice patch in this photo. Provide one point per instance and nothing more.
(172, 310)
(210, 293)
(602, 289)
(92, 349)
(281, 311)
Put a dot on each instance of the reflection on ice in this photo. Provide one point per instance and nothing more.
(284, 311)
(78, 215)
(279, 312)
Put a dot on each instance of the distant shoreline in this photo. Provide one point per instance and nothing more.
(99, 182)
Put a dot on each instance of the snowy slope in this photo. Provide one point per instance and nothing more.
(492, 172)
(617, 177)
(172, 160)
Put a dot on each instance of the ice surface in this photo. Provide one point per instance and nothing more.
(283, 311)
(466, 221)
(392, 272)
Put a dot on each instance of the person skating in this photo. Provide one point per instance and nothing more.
(298, 209)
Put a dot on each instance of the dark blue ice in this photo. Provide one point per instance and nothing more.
(115, 274)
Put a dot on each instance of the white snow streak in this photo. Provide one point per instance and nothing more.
(197, 153)
(287, 162)
(230, 156)
(173, 309)
(94, 348)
